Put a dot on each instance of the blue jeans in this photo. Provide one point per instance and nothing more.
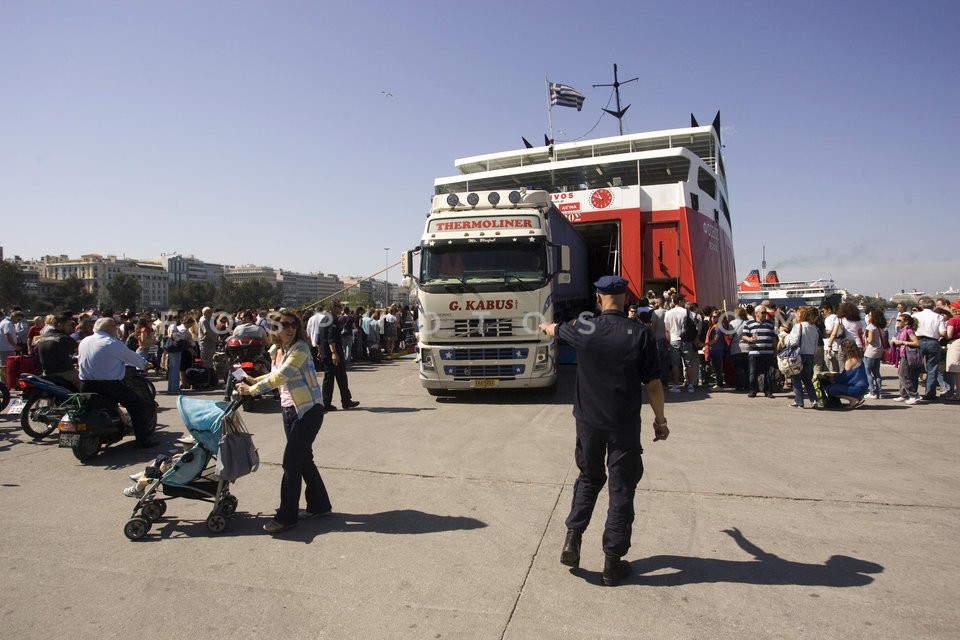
(872, 365)
(741, 368)
(760, 364)
(173, 372)
(663, 353)
(716, 363)
(299, 467)
(804, 380)
(930, 349)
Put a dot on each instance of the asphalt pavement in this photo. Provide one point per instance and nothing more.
(754, 520)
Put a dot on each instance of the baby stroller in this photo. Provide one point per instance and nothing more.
(192, 475)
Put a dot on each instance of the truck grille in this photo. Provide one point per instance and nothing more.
(492, 327)
(485, 353)
(484, 371)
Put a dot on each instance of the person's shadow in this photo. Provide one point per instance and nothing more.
(765, 568)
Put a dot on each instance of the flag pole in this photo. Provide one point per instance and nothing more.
(549, 109)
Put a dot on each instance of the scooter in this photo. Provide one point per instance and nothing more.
(42, 397)
(92, 420)
(246, 354)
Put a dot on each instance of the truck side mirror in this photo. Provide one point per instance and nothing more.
(406, 263)
(563, 273)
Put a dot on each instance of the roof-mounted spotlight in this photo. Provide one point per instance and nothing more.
(493, 198)
(514, 197)
(473, 199)
(453, 200)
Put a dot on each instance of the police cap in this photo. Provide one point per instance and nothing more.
(611, 285)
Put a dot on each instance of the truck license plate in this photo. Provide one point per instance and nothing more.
(485, 383)
(69, 439)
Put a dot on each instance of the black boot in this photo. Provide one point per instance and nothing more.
(570, 555)
(615, 570)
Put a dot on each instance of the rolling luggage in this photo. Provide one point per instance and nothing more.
(15, 366)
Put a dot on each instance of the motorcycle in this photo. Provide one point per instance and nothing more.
(42, 397)
(4, 396)
(92, 420)
(247, 355)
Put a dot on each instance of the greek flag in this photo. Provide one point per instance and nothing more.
(565, 96)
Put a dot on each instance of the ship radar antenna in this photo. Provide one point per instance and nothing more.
(618, 114)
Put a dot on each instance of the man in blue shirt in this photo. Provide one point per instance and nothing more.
(103, 360)
(615, 357)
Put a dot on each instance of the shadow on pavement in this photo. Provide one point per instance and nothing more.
(397, 522)
(765, 569)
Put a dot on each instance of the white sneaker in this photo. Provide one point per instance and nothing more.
(914, 400)
(872, 396)
(899, 399)
(689, 388)
(133, 492)
(674, 389)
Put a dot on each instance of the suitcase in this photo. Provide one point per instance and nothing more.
(15, 366)
(198, 377)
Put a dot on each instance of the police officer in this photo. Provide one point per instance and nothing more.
(614, 357)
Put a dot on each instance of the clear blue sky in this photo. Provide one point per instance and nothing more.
(258, 132)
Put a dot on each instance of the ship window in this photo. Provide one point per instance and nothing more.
(707, 183)
(695, 201)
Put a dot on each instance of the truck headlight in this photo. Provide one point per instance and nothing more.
(426, 359)
(542, 358)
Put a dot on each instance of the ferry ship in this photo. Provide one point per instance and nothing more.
(802, 293)
(651, 207)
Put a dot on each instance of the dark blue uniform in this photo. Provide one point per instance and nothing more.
(615, 357)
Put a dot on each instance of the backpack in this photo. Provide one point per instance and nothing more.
(689, 333)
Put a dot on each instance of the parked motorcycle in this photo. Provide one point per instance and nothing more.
(92, 420)
(249, 355)
(4, 396)
(42, 397)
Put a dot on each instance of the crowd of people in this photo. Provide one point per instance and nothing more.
(838, 350)
(174, 342)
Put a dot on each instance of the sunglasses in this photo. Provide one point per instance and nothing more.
(288, 325)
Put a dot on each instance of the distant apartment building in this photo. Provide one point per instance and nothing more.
(96, 271)
(298, 289)
(183, 269)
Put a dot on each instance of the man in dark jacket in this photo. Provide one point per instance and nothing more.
(57, 350)
(330, 346)
(615, 356)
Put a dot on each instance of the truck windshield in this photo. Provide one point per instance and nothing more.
(518, 266)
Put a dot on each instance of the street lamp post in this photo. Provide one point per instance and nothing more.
(386, 278)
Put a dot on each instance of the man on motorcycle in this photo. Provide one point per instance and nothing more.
(249, 327)
(56, 350)
(103, 359)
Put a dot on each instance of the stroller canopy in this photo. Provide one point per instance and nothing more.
(203, 419)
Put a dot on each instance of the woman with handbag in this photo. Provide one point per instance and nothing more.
(909, 359)
(301, 404)
(805, 335)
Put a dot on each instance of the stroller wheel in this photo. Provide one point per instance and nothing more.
(216, 521)
(152, 511)
(136, 528)
(228, 506)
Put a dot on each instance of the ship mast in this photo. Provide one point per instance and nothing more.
(618, 114)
